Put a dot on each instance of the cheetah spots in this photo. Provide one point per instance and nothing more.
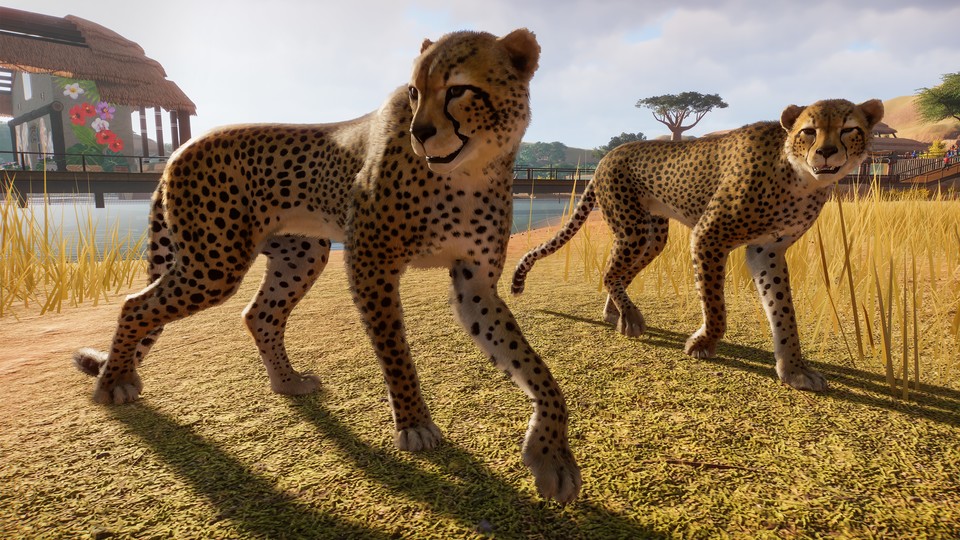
(750, 185)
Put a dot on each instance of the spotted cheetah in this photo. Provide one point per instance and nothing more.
(426, 180)
(761, 186)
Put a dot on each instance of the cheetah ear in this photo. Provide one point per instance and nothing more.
(872, 110)
(524, 51)
(789, 116)
(425, 45)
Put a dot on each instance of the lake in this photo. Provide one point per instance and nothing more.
(127, 219)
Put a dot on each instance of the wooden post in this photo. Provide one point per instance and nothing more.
(184, 126)
(158, 120)
(174, 130)
(144, 140)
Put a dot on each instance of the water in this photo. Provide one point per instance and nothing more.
(69, 217)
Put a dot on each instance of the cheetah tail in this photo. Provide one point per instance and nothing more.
(579, 217)
(89, 361)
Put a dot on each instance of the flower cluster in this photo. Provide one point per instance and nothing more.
(102, 113)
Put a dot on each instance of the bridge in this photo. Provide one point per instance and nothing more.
(546, 181)
(91, 180)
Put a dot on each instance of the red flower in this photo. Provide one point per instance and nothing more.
(88, 110)
(116, 144)
(105, 136)
(76, 115)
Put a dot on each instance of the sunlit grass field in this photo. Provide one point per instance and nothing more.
(669, 446)
(881, 272)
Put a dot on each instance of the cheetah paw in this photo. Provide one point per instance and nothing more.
(297, 385)
(126, 390)
(629, 323)
(417, 438)
(700, 346)
(556, 474)
(805, 379)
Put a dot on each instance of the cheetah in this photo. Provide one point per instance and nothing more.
(762, 186)
(426, 180)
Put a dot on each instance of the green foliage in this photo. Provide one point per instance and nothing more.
(616, 141)
(672, 110)
(541, 154)
(935, 104)
(937, 149)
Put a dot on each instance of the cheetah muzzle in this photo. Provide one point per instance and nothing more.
(396, 187)
(760, 186)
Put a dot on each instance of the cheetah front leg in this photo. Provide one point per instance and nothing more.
(709, 263)
(768, 265)
(293, 264)
(488, 320)
(375, 287)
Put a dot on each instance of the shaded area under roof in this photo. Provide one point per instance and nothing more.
(80, 49)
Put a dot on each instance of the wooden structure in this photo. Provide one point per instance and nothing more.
(76, 48)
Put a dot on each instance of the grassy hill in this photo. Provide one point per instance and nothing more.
(901, 114)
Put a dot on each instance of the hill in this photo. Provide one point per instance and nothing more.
(901, 114)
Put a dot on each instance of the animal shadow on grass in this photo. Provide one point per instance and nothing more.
(477, 496)
(250, 501)
(935, 403)
(255, 505)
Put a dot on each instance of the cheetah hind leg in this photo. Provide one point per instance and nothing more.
(293, 265)
(625, 263)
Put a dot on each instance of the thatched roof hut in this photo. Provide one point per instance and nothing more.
(883, 130)
(80, 49)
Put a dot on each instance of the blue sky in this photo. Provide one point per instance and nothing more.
(309, 61)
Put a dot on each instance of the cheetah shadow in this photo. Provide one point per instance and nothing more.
(464, 490)
(936, 403)
(249, 501)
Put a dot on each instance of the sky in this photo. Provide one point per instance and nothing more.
(321, 61)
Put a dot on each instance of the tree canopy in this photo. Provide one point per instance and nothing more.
(943, 101)
(672, 110)
(541, 154)
(616, 141)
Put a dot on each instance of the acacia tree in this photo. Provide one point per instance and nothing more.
(672, 110)
(616, 141)
(935, 104)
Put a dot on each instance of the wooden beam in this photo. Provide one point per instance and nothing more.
(158, 120)
(174, 130)
(144, 139)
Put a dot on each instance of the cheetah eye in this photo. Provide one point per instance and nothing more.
(810, 132)
(414, 95)
(844, 131)
(456, 91)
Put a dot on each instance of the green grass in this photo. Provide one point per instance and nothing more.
(669, 446)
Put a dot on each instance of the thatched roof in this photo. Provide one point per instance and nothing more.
(883, 129)
(81, 49)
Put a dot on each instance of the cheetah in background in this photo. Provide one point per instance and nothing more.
(762, 186)
(434, 188)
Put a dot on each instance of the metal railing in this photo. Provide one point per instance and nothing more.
(48, 161)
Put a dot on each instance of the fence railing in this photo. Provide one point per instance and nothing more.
(46, 161)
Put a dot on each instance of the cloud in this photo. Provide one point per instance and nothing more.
(300, 61)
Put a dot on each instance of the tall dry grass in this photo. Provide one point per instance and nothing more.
(880, 273)
(41, 266)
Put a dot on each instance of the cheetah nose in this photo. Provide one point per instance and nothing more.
(423, 132)
(827, 151)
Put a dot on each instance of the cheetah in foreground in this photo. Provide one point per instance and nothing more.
(762, 186)
(434, 188)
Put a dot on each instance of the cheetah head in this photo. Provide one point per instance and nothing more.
(827, 140)
(470, 97)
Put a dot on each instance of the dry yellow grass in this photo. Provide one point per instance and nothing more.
(670, 446)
